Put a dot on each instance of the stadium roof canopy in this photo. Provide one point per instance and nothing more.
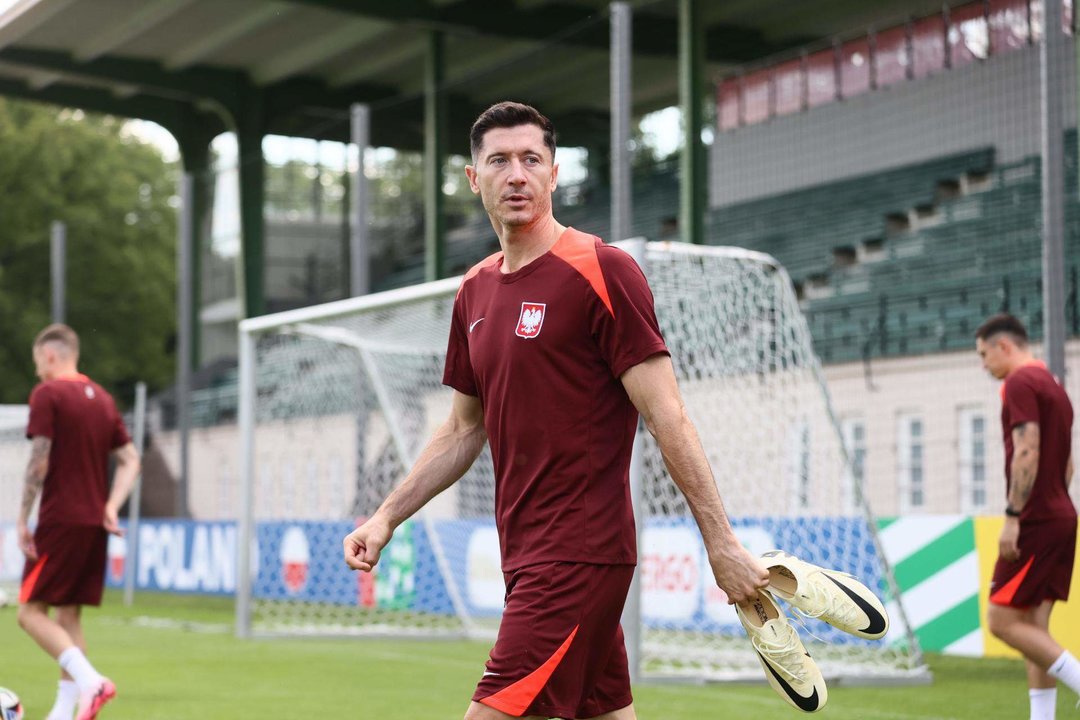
(424, 69)
(200, 67)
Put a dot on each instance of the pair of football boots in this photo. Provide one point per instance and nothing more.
(815, 592)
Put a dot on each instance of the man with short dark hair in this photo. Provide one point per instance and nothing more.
(1038, 541)
(554, 350)
(75, 428)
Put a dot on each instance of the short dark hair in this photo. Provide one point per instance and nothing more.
(510, 114)
(61, 334)
(1003, 323)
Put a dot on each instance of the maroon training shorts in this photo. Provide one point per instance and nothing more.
(1044, 568)
(560, 649)
(70, 569)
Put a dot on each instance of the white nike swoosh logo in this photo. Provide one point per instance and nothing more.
(475, 323)
(490, 673)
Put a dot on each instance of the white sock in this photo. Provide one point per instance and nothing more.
(67, 696)
(1043, 703)
(77, 666)
(1067, 669)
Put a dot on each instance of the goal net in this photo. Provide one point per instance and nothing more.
(14, 455)
(336, 401)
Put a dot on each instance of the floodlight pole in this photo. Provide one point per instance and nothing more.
(135, 504)
(621, 218)
(246, 522)
(359, 235)
(58, 266)
(184, 301)
(1053, 188)
(434, 147)
(621, 57)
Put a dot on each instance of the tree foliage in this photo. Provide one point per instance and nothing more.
(117, 196)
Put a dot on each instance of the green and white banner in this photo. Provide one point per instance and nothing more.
(943, 565)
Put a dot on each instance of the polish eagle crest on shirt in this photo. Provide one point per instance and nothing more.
(531, 320)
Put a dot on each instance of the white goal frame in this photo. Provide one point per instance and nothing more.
(305, 321)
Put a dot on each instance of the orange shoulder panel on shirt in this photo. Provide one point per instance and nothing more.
(1029, 363)
(486, 262)
(75, 377)
(579, 251)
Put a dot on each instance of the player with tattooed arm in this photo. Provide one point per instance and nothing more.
(1038, 542)
(75, 429)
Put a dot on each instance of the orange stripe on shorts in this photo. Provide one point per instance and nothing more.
(516, 699)
(1007, 592)
(27, 588)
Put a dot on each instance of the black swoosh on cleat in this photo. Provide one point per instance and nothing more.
(809, 704)
(877, 620)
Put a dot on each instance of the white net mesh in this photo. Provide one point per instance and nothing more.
(14, 454)
(361, 382)
(344, 404)
(745, 363)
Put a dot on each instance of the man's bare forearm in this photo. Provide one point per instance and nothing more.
(1025, 464)
(36, 470)
(127, 471)
(689, 469)
(447, 456)
(652, 388)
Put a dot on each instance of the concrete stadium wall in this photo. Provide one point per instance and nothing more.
(935, 388)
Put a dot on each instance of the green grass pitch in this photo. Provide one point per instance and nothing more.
(197, 670)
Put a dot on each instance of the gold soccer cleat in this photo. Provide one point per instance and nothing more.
(788, 667)
(835, 597)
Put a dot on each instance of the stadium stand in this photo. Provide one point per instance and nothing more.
(899, 262)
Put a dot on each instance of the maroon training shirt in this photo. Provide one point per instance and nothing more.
(1032, 394)
(543, 349)
(82, 421)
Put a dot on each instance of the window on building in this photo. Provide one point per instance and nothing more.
(972, 460)
(911, 456)
(854, 430)
(799, 464)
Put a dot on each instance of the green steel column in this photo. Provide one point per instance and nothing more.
(691, 96)
(250, 127)
(434, 146)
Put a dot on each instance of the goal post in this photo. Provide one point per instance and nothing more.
(337, 400)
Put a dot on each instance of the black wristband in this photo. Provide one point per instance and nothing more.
(1010, 512)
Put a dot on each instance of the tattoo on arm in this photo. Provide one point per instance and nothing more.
(126, 454)
(36, 470)
(1025, 463)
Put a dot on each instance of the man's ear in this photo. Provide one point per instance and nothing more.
(470, 172)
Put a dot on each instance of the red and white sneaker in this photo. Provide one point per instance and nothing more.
(91, 701)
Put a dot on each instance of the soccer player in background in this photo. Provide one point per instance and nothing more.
(75, 428)
(1038, 541)
(554, 350)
